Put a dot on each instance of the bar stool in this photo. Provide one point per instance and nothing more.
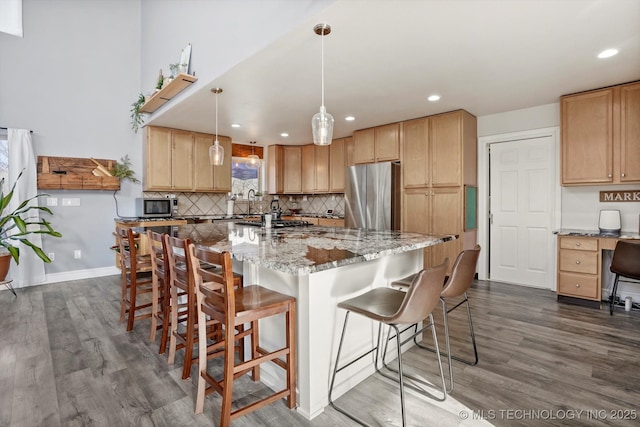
(394, 307)
(136, 278)
(218, 299)
(625, 263)
(161, 303)
(456, 285)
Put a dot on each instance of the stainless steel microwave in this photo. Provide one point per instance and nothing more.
(153, 207)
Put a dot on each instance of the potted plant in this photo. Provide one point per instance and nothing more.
(136, 114)
(15, 230)
(122, 170)
(177, 69)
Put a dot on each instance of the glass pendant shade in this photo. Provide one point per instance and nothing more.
(254, 161)
(216, 154)
(322, 127)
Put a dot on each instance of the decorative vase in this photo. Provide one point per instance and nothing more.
(5, 263)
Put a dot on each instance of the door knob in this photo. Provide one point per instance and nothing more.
(578, 261)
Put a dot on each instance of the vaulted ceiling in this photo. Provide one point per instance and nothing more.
(384, 58)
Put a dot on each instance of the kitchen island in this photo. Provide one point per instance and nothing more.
(320, 266)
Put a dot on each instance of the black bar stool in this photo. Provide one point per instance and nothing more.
(625, 263)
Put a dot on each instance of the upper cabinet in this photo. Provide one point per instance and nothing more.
(275, 169)
(340, 156)
(292, 170)
(379, 144)
(440, 150)
(178, 160)
(600, 136)
(315, 168)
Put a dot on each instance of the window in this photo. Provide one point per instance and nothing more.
(243, 177)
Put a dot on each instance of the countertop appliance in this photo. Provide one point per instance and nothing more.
(609, 222)
(154, 207)
(372, 196)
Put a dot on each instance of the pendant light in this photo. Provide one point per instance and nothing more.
(216, 151)
(254, 160)
(322, 122)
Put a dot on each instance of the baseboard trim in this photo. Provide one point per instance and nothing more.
(67, 276)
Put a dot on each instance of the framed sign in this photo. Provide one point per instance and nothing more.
(185, 57)
(620, 196)
(470, 207)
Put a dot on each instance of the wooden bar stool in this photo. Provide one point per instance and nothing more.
(161, 308)
(136, 279)
(220, 300)
(183, 328)
(394, 307)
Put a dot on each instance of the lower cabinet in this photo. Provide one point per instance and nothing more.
(579, 267)
(436, 211)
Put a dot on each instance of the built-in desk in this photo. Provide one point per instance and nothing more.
(580, 264)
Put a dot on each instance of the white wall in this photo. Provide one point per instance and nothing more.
(71, 80)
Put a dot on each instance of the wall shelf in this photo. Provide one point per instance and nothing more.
(71, 173)
(177, 85)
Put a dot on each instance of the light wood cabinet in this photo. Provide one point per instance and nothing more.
(331, 222)
(292, 162)
(178, 160)
(275, 169)
(435, 211)
(379, 144)
(600, 135)
(439, 151)
(579, 264)
(439, 157)
(340, 156)
(315, 168)
(206, 176)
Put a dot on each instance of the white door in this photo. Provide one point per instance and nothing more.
(521, 206)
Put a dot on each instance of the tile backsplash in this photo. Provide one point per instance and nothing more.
(190, 204)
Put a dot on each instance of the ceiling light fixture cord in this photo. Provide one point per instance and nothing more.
(322, 63)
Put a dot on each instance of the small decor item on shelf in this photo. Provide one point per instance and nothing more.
(177, 69)
(161, 81)
(136, 114)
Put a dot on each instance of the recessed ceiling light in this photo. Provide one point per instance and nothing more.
(607, 53)
(284, 134)
(235, 125)
(349, 118)
(434, 98)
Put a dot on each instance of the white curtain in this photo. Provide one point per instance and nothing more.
(11, 17)
(21, 156)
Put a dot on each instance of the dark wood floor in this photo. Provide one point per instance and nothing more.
(66, 361)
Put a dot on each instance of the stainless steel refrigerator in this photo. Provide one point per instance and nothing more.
(372, 196)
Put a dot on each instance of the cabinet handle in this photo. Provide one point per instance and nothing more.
(577, 285)
(623, 175)
(577, 243)
(578, 261)
(609, 176)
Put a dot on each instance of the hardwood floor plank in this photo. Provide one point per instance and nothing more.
(66, 360)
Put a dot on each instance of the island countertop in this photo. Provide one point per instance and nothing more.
(302, 250)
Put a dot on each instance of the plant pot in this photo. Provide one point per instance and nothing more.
(5, 263)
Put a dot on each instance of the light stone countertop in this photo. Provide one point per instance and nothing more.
(302, 250)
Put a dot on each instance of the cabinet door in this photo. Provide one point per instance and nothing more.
(415, 159)
(275, 169)
(446, 218)
(222, 174)
(387, 142)
(337, 165)
(415, 211)
(364, 146)
(308, 154)
(292, 170)
(202, 168)
(182, 160)
(587, 138)
(158, 159)
(322, 168)
(630, 133)
(445, 138)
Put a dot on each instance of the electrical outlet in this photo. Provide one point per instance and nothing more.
(52, 256)
(71, 202)
(52, 201)
(77, 254)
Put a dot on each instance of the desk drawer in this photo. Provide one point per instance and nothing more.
(579, 261)
(579, 243)
(578, 285)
